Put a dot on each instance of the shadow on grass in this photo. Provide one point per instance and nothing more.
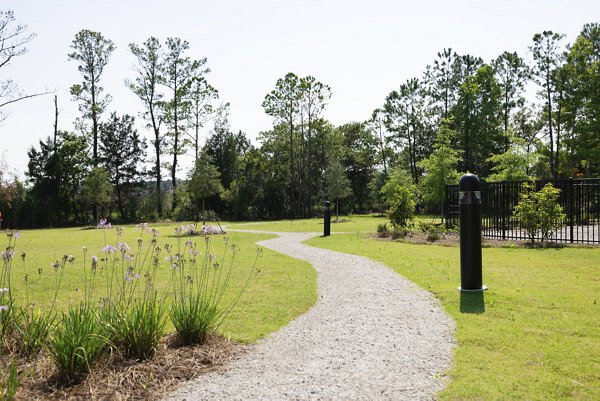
(472, 302)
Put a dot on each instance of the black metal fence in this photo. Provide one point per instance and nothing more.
(579, 198)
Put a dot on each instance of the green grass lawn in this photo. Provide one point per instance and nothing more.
(282, 289)
(535, 334)
(355, 223)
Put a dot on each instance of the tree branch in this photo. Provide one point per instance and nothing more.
(23, 98)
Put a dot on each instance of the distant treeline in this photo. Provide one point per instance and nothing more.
(463, 114)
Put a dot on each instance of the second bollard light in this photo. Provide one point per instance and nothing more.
(470, 233)
(327, 219)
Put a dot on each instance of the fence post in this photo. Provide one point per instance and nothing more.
(504, 209)
(571, 207)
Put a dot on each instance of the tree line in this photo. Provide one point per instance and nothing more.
(462, 115)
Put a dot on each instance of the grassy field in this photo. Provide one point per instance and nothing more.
(535, 334)
(345, 224)
(282, 289)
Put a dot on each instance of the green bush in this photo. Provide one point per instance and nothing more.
(402, 209)
(401, 194)
(382, 230)
(539, 212)
(398, 233)
(433, 236)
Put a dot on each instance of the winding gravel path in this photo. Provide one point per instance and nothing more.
(371, 335)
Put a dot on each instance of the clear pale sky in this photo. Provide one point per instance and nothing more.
(362, 49)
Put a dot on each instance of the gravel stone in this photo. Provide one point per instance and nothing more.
(372, 335)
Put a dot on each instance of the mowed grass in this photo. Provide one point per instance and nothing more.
(535, 334)
(345, 224)
(281, 287)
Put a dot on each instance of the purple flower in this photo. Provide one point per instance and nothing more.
(123, 247)
(17, 234)
(3, 308)
(6, 256)
(109, 249)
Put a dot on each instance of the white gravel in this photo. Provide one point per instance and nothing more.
(371, 335)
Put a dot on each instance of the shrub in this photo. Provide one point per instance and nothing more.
(432, 231)
(398, 233)
(433, 236)
(400, 194)
(402, 209)
(539, 212)
(382, 230)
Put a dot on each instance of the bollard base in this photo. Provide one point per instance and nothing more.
(483, 288)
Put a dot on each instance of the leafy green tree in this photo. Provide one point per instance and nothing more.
(55, 172)
(178, 75)
(514, 164)
(477, 117)
(401, 194)
(582, 108)
(226, 148)
(440, 168)
(296, 105)
(404, 117)
(547, 58)
(314, 96)
(201, 109)
(377, 125)
(513, 73)
(122, 153)
(443, 80)
(204, 181)
(359, 155)
(283, 104)
(146, 87)
(91, 51)
(96, 191)
(539, 212)
(337, 184)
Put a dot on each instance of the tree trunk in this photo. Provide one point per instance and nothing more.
(55, 121)
(549, 105)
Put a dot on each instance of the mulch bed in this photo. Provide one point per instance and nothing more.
(114, 378)
(453, 239)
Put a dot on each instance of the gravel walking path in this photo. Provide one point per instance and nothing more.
(371, 335)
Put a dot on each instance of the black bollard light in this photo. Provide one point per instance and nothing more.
(470, 233)
(327, 219)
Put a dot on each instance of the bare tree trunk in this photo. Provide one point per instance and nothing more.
(55, 120)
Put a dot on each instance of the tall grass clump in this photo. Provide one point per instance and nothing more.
(9, 385)
(135, 312)
(6, 297)
(77, 341)
(33, 325)
(200, 282)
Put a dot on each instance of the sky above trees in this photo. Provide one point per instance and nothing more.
(362, 50)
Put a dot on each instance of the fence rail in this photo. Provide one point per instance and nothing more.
(579, 198)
